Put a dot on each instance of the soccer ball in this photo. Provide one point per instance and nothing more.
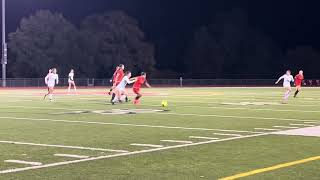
(164, 103)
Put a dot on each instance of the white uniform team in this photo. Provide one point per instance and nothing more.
(51, 80)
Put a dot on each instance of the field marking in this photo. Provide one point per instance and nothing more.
(147, 145)
(202, 137)
(241, 117)
(128, 154)
(62, 146)
(184, 106)
(176, 141)
(223, 134)
(133, 125)
(267, 129)
(272, 168)
(302, 125)
(286, 127)
(71, 155)
(311, 122)
(24, 162)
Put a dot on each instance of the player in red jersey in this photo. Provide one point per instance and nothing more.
(139, 81)
(116, 79)
(298, 82)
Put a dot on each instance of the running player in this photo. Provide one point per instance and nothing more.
(120, 89)
(298, 82)
(287, 79)
(117, 77)
(71, 81)
(139, 81)
(51, 80)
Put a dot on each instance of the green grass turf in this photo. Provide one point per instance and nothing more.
(25, 117)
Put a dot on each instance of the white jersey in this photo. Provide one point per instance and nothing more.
(71, 76)
(52, 79)
(122, 85)
(287, 79)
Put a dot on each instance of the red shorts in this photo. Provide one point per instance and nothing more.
(136, 90)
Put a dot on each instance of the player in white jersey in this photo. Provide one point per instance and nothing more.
(287, 79)
(71, 81)
(120, 89)
(51, 80)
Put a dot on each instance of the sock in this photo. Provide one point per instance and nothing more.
(138, 97)
(113, 96)
(127, 99)
(296, 93)
(50, 96)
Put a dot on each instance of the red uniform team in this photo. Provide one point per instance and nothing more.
(298, 79)
(119, 82)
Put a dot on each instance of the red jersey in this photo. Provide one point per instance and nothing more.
(298, 79)
(119, 74)
(139, 82)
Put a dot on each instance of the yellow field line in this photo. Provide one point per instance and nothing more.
(279, 166)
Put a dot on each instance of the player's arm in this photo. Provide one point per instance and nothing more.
(46, 79)
(279, 79)
(132, 80)
(147, 84)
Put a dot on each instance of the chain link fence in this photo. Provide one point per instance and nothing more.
(91, 82)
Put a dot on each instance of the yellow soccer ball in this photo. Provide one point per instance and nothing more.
(164, 103)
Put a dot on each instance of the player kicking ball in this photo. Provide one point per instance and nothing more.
(298, 82)
(139, 81)
(51, 80)
(287, 79)
(120, 89)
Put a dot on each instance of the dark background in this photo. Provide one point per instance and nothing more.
(170, 25)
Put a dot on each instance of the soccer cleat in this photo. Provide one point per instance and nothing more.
(136, 102)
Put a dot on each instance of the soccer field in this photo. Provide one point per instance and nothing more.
(204, 133)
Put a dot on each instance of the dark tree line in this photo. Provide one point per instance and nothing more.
(102, 41)
(229, 47)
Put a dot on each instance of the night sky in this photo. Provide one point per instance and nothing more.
(169, 24)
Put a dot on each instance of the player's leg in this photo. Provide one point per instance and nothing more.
(112, 88)
(298, 89)
(74, 86)
(50, 93)
(69, 88)
(287, 93)
(117, 95)
(138, 96)
(48, 89)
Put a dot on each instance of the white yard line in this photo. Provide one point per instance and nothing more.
(133, 125)
(71, 156)
(286, 127)
(147, 145)
(311, 122)
(202, 137)
(302, 125)
(176, 141)
(239, 117)
(223, 134)
(184, 106)
(127, 154)
(63, 146)
(267, 129)
(24, 162)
